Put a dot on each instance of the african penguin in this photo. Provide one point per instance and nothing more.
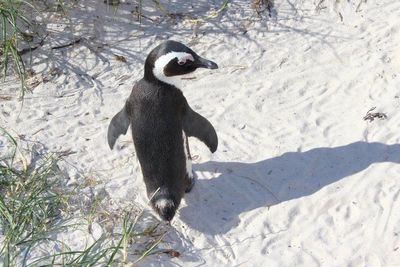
(161, 121)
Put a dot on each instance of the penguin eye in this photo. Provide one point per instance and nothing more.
(184, 59)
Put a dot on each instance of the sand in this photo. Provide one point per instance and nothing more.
(299, 177)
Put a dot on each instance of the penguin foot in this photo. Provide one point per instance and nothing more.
(190, 182)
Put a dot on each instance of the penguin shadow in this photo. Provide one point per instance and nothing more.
(215, 204)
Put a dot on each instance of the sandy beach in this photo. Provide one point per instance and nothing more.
(306, 173)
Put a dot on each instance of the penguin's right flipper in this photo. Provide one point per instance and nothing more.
(119, 125)
(196, 125)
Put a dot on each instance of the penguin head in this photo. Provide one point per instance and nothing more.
(171, 59)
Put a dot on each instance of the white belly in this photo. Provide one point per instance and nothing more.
(188, 158)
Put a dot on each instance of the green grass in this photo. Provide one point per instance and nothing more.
(13, 19)
(29, 205)
(34, 208)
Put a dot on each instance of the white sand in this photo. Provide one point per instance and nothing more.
(299, 178)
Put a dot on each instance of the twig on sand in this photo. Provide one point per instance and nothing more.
(284, 60)
(138, 13)
(66, 45)
(370, 116)
(341, 16)
(212, 14)
(359, 5)
(30, 49)
(318, 7)
(41, 129)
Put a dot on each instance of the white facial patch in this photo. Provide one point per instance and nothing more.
(187, 156)
(162, 61)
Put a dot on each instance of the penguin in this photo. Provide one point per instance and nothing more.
(161, 121)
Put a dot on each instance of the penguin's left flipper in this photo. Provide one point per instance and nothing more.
(119, 125)
(196, 125)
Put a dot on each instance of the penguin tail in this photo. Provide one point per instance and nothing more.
(165, 205)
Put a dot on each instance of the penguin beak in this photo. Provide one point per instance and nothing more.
(204, 63)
